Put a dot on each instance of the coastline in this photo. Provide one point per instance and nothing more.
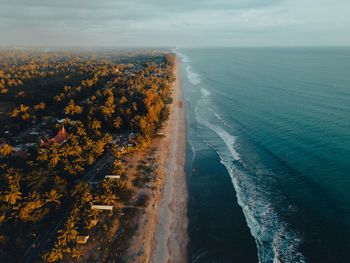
(171, 239)
(161, 234)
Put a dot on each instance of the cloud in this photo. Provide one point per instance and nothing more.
(105, 10)
(160, 22)
(179, 5)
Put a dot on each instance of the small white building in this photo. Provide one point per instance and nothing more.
(112, 176)
(61, 120)
(102, 207)
(82, 239)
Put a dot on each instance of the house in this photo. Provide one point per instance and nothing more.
(61, 120)
(102, 207)
(112, 176)
(17, 148)
(33, 132)
(82, 239)
(60, 138)
(131, 137)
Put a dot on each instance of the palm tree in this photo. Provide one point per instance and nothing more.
(13, 195)
(60, 185)
(94, 213)
(80, 188)
(38, 178)
(108, 184)
(32, 209)
(76, 253)
(5, 150)
(56, 254)
(118, 167)
(43, 155)
(53, 197)
(69, 233)
(96, 125)
(55, 156)
(109, 197)
(117, 122)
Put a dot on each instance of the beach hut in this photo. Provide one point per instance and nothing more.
(131, 135)
(112, 176)
(82, 239)
(60, 120)
(102, 207)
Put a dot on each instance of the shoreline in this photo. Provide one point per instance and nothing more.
(161, 234)
(171, 238)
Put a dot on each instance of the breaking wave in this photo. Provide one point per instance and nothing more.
(275, 241)
(193, 77)
(205, 92)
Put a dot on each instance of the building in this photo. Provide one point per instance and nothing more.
(131, 137)
(102, 207)
(60, 138)
(82, 239)
(112, 176)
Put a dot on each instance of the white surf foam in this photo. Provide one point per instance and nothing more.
(186, 59)
(276, 242)
(194, 78)
(205, 92)
(183, 57)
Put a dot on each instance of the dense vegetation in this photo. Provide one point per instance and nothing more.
(97, 98)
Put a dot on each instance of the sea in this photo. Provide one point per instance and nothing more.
(268, 154)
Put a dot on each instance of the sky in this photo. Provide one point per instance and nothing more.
(180, 23)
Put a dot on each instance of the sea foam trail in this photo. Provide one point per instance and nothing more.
(205, 92)
(193, 77)
(275, 241)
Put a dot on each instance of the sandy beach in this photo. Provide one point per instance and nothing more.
(170, 240)
(162, 228)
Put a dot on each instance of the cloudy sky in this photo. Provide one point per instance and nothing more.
(175, 23)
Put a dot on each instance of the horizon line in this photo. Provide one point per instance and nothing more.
(164, 46)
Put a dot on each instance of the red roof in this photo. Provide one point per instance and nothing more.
(60, 138)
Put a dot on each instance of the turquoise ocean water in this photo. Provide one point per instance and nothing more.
(269, 139)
